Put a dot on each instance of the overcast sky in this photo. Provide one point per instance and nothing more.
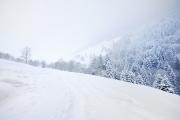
(59, 28)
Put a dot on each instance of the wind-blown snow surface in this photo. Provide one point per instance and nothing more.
(30, 93)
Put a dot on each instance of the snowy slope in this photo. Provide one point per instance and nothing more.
(85, 55)
(29, 93)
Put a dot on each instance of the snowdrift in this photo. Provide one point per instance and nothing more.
(32, 93)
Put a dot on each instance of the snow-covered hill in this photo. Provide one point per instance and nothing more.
(85, 55)
(31, 93)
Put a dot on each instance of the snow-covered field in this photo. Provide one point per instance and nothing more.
(31, 93)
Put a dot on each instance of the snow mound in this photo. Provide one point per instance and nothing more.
(31, 93)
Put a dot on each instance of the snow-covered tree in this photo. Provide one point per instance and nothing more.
(138, 80)
(26, 54)
(127, 76)
(109, 67)
(34, 62)
(97, 66)
(43, 64)
(162, 81)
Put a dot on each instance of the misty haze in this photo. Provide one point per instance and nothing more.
(89, 59)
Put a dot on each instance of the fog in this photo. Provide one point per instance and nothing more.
(56, 29)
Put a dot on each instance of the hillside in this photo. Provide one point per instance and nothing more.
(32, 93)
(85, 55)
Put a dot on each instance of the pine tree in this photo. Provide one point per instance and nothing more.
(162, 82)
(109, 68)
(127, 76)
(139, 80)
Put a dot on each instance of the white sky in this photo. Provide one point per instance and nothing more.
(59, 28)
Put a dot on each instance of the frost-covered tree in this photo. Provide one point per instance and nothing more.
(26, 54)
(127, 76)
(97, 66)
(139, 80)
(162, 82)
(109, 67)
(93, 67)
(6, 56)
(43, 64)
(34, 62)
